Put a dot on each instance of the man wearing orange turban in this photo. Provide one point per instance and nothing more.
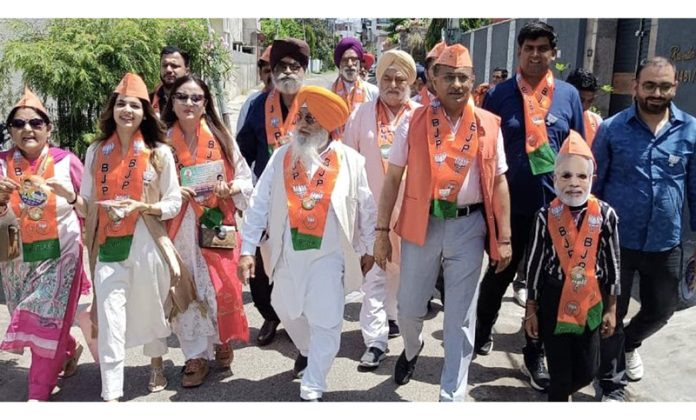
(314, 203)
(370, 131)
(268, 125)
(456, 167)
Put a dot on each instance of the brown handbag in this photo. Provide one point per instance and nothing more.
(222, 236)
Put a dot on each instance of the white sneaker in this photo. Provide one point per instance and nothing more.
(520, 296)
(634, 366)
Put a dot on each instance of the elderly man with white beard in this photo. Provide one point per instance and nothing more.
(370, 131)
(269, 124)
(314, 203)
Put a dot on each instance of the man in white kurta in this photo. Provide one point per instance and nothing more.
(370, 130)
(310, 285)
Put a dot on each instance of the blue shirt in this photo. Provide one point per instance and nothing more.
(528, 192)
(644, 177)
(252, 137)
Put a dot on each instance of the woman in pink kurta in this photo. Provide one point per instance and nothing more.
(43, 277)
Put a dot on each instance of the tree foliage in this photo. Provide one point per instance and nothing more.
(78, 62)
(313, 31)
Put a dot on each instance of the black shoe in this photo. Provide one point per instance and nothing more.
(311, 399)
(267, 333)
(535, 368)
(300, 366)
(372, 358)
(393, 329)
(404, 368)
(485, 348)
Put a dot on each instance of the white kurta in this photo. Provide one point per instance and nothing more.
(131, 293)
(380, 287)
(308, 294)
(197, 330)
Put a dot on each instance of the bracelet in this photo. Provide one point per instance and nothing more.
(382, 229)
(527, 318)
(72, 203)
(504, 242)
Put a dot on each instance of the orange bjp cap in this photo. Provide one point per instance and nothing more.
(133, 85)
(455, 56)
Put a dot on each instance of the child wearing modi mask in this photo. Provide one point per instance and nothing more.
(572, 267)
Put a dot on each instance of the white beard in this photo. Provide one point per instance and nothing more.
(305, 148)
(571, 202)
(288, 85)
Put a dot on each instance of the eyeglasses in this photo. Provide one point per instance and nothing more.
(651, 87)
(195, 99)
(282, 65)
(34, 123)
(308, 118)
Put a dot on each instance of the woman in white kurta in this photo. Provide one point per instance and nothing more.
(131, 276)
(198, 137)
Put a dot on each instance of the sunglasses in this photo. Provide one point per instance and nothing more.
(195, 99)
(34, 123)
(308, 118)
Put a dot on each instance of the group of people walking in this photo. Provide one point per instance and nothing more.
(360, 186)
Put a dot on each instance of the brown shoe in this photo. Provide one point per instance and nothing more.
(70, 365)
(224, 355)
(195, 372)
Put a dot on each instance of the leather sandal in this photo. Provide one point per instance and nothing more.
(157, 379)
(70, 365)
(224, 355)
(195, 372)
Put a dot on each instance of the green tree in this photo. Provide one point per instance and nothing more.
(313, 31)
(78, 62)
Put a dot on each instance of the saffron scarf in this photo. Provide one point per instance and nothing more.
(34, 206)
(119, 178)
(451, 156)
(581, 300)
(536, 103)
(309, 201)
(277, 130)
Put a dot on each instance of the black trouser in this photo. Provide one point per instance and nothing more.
(261, 291)
(658, 274)
(573, 358)
(493, 286)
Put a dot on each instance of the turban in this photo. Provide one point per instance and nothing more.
(294, 48)
(435, 52)
(31, 101)
(420, 73)
(455, 56)
(265, 57)
(401, 61)
(368, 60)
(329, 109)
(132, 85)
(344, 45)
(574, 144)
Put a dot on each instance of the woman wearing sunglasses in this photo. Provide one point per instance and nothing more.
(206, 329)
(40, 247)
(129, 187)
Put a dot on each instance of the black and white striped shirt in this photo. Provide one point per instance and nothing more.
(542, 263)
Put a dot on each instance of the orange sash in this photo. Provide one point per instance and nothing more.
(119, 177)
(156, 99)
(208, 149)
(309, 201)
(537, 103)
(451, 158)
(386, 128)
(277, 130)
(591, 125)
(581, 299)
(425, 96)
(35, 207)
(353, 97)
